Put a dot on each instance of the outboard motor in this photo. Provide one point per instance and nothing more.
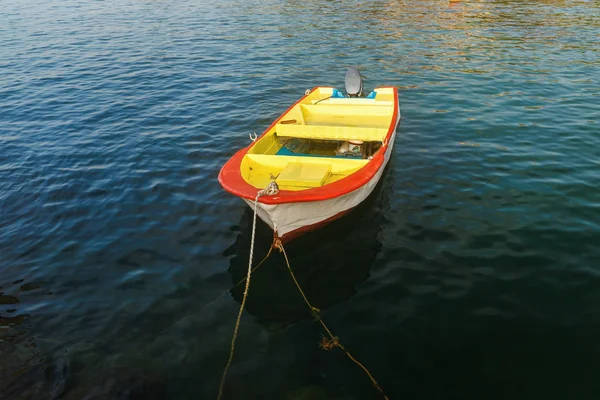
(354, 84)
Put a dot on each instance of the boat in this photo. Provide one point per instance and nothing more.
(319, 159)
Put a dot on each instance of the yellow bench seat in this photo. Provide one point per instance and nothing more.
(331, 132)
(304, 175)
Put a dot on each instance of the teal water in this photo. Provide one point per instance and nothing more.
(473, 272)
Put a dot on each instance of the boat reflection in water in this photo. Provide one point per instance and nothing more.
(328, 263)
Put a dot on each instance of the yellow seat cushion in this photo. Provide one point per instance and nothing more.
(304, 175)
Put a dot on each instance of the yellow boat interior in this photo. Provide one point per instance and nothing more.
(323, 138)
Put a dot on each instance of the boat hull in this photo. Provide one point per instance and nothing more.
(290, 220)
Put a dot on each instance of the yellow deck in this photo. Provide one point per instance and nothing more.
(322, 118)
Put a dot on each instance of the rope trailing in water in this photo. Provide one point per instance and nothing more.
(326, 343)
(333, 341)
(270, 190)
(222, 294)
(239, 317)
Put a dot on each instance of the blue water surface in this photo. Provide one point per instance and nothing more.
(473, 272)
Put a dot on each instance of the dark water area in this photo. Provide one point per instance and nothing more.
(473, 271)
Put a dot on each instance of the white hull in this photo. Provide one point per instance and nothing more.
(287, 218)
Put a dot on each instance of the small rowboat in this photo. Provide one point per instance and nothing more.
(325, 155)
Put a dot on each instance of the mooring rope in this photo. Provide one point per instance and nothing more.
(271, 190)
(326, 343)
(213, 301)
(333, 341)
(239, 317)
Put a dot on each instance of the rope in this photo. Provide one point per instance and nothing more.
(333, 341)
(239, 317)
(240, 282)
(271, 190)
(210, 303)
(326, 343)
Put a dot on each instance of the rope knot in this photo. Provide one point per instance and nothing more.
(329, 344)
(271, 190)
(277, 244)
